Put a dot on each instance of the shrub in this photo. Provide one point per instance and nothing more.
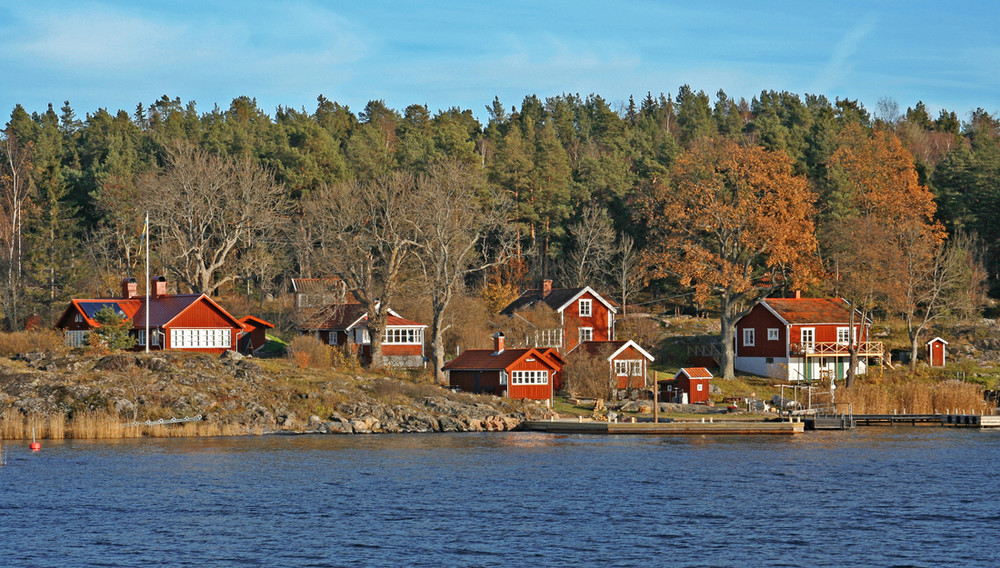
(47, 341)
(307, 351)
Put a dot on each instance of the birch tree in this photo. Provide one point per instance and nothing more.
(15, 184)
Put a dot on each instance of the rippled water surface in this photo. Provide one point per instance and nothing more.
(872, 497)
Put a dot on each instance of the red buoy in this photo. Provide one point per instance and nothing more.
(35, 446)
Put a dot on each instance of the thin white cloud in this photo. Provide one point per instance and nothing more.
(837, 71)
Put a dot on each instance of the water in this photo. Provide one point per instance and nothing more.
(873, 497)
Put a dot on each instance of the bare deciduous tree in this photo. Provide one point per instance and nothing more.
(452, 227)
(627, 272)
(362, 234)
(203, 208)
(593, 245)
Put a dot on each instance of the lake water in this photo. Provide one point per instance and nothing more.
(872, 497)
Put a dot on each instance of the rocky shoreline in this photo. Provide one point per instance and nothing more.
(270, 396)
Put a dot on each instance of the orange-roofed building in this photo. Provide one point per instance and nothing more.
(190, 322)
(803, 339)
(514, 373)
(347, 324)
(689, 386)
(254, 333)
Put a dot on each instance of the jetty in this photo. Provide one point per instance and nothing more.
(975, 420)
(676, 427)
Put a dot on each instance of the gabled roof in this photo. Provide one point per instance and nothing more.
(162, 309)
(594, 348)
(810, 310)
(489, 360)
(342, 317)
(251, 322)
(694, 373)
(937, 339)
(558, 299)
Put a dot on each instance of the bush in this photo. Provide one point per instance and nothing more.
(48, 341)
(307, 351)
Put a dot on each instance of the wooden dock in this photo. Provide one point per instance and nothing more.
(976, 420)
(722, 427)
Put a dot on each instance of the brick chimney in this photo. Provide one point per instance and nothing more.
(798, 294)
(498, 343)
(546, 287)
(130, 288)
(158, 286)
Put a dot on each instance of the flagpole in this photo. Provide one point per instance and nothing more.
(148, 338)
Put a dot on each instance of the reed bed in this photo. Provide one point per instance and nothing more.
(96, 425)
(915, 398)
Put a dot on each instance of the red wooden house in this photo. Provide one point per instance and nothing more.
(936, 352)
(347, 324)
(514, 373)
(689, 386)
(584, 315)
(627, 362)
(189, 322)
(802, 339)
(254, 333)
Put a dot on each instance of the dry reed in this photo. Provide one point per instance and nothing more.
(914, 398)
(97, 425)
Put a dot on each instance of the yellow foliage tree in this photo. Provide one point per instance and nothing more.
(733, 222)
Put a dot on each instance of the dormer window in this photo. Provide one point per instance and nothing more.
(585, 308)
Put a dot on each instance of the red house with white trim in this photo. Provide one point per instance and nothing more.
(189, 322)
(513, 373)
(584, 315)
(254, 333)
(347, 324)
(627, 362)
(802, 339)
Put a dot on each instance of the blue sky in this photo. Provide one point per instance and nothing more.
(115, 54)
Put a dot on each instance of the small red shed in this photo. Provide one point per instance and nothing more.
(936, 352)
(692, 383)
(254, 333)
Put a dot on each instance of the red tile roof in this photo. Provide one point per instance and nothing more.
(162, 309)
(489, 360)
(811, 310)
(252, 322)
(695, 373)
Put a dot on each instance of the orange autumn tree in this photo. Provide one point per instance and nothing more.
(875, 191)
(733, 222)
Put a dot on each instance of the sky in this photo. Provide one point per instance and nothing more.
(115, 54)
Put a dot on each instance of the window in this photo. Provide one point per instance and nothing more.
(626, 367)
(699, 386)
(549, 338)
(529, 377)
(772, 334)
(76, 338)
(843, 335)
(586, 308)
(201, 338)
(406, 336)
(503, 378)
(808, 335)
(748, 337)
(331, 338)
(78, 318)
(586, 334)
(157, 338)
(142, 337)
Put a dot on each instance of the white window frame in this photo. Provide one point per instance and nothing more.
(635, 368)
(589, 332)
(586, 308)
(141, 337)
(811, 333)
(628, 367)
(201, 338)
(78, 318)
(331, 338)
(529, 377)
(749, 336)
(699, 387)
(772, 334)
(157, 335)
(549, 338)
(844, 335)
(403, 336)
